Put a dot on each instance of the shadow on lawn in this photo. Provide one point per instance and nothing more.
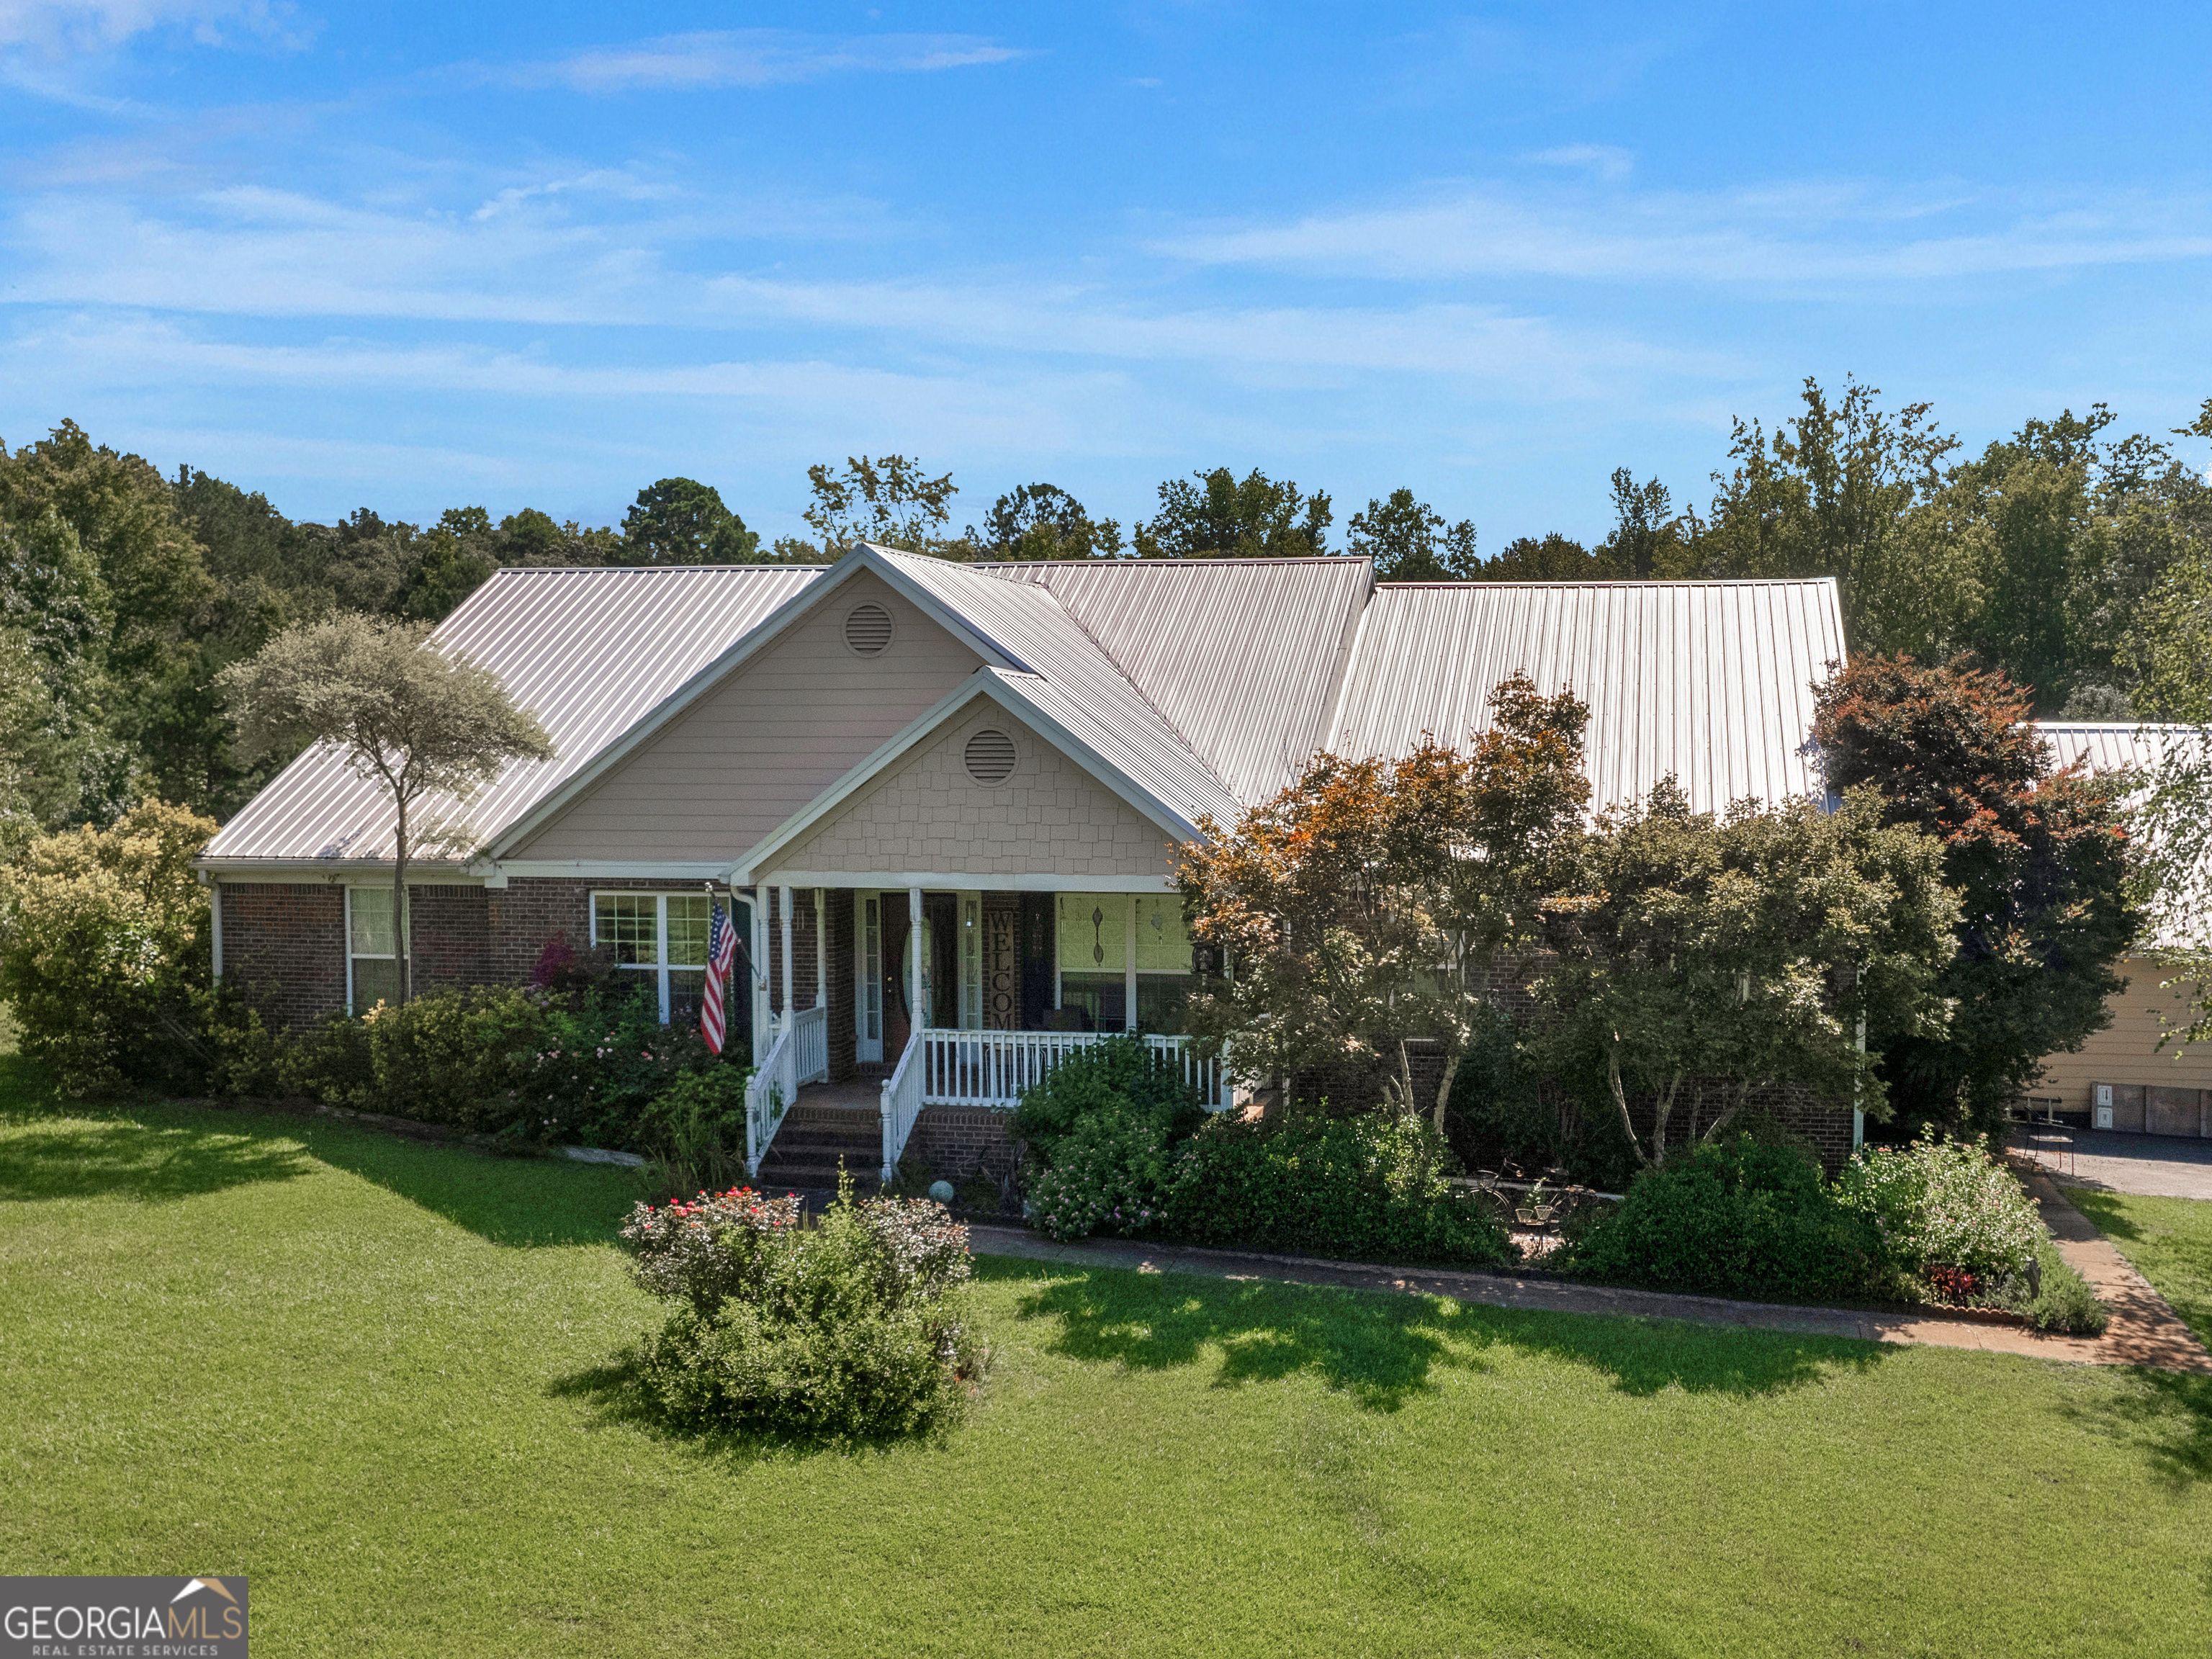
(53, 1148)
(1384, 1348)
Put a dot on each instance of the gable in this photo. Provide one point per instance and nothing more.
(924, 812)
(753, 750)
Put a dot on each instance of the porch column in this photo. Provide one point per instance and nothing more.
(1130, 969)
(822, 947)
(783, 907)
(756, 972)
(914, 957)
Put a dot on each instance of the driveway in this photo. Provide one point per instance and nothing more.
(2161, 1166)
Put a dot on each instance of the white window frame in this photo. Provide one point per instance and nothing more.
(385, 888)
(660, 967)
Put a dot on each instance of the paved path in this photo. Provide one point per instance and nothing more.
(2165, 1166)
(2144, 1331)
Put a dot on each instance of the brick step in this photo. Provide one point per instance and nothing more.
(794, 1137)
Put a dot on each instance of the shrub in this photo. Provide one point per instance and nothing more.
(591, 1065)
(1109, 1174)
(1121, 1075)
(2063, 1300)
(850, 1330)
(695, 1129)
(1734, 1217)
(1371, 1187)
(104, 947)
(1951, 1220)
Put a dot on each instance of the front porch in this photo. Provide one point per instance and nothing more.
(926, 998)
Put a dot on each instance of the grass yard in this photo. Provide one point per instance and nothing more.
(2168, 1239)
(373, 1376)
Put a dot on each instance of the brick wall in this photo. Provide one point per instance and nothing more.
(954, 1141)
(451, 935)
(284, 945)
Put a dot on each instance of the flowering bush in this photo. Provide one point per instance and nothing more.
(707, 1249)
(851, 1329)
(1108, 1174)
(1950, 1217)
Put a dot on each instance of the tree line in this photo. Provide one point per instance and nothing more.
(2077, 563)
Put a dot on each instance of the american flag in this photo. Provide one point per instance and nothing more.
(721, 953)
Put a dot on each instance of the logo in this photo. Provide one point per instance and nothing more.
(123, 1618)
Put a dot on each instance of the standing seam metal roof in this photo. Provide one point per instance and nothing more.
(1709, 681)
(591, 652)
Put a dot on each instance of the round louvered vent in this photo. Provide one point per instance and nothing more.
(990, 758)
(868, 630)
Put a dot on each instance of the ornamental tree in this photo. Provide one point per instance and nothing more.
(1720, 954)
(1368, 902)
(2041, 860)
(399, 710)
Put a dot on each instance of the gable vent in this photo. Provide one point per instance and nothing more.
(990, 758)
(868, 630)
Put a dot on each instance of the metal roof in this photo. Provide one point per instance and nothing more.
(1242, 656)
(1709, 681)
(2108, 746)
(590, 652)
(1072, 681)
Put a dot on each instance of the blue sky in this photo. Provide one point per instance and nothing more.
(413, 257)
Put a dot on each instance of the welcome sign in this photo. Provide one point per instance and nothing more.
(123, 1618)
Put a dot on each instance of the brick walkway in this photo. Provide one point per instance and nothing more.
(2144, 1330)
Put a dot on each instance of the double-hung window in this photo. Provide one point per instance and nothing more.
(662, 938)
(372, 963)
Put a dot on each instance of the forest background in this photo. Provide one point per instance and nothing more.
(2078, 562)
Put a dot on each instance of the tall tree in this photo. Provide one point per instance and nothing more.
(682, 521)
(398, 709)
(1410, 542)
(1646, 540)
(1216, 516)
(888, 499)
(1830, 493)
(1551, 558)
(1043, 522)
(2039, 857)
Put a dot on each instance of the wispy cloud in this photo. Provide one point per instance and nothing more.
(62, 28)
(1786, 235)
(755, 58)
(1608, 163)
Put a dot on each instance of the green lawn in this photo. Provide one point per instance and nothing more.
(373, 1376)
(2168, 1239)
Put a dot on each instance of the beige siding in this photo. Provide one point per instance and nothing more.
(765, 742)
(1050, 817)
(2127, 1051)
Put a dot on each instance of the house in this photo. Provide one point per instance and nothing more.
(946, 799)
(2128, 1076)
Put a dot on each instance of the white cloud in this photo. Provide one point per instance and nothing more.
(57, 28)
(756, 58)
(1608, 163)
(1811, 233)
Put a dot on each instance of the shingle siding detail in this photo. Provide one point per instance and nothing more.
(925, 813)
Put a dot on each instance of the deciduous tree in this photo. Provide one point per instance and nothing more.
(399, 709)
(2040, 858)
(1410, 542)
(1216, 516)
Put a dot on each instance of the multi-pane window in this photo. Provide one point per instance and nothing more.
(372, 963)
(661, 938)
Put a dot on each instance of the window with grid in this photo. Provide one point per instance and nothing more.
(372, 960)
(661, 936)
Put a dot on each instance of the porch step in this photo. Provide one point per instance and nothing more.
(807, 1148)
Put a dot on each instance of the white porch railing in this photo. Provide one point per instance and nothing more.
(800, 1053)
(901, 1103)
(992, 1068)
